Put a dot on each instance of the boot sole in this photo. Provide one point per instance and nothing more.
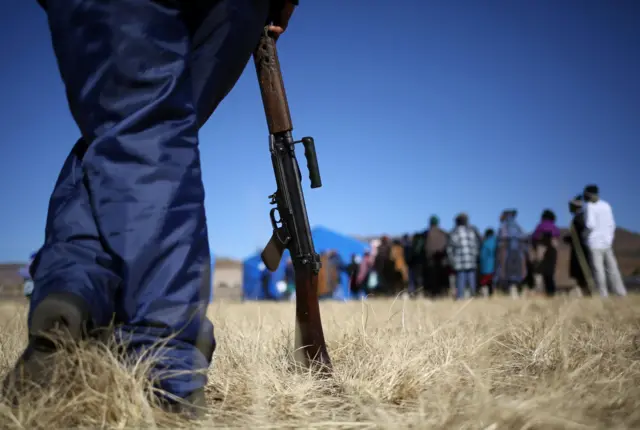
(60, 317)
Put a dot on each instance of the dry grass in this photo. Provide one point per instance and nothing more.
(497, 364)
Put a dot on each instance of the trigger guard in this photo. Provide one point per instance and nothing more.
(275, 223)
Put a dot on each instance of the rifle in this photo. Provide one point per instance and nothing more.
(291, 230)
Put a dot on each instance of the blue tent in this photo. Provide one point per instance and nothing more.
(253, 269)
(324, 240)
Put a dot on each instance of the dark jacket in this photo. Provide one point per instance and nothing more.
(352, 271)
(436, 245)
(383, 256)
(408, 251)
(418, 248)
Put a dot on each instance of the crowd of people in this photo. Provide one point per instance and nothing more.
(434, 262)
(463, 262)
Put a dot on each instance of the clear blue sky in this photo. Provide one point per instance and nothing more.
(419, 108)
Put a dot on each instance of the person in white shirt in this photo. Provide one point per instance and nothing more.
(601, 228)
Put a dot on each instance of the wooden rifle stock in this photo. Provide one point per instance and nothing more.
(292, 230)
(274, 97)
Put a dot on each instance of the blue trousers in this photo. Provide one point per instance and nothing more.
(126, 228)
(464, 278)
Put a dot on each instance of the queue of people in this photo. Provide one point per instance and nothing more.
(466, 263)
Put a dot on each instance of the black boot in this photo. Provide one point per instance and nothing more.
(61, 318)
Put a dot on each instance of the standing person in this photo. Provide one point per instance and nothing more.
(546, 266)
(512, 253)
(601, 230)
(325, 277)
(352, 271)
(488, 262)
(530, 279)
(365, 277)
(462, 251)
(545, 252)
(418, 242)
(400, 273)
(336, 261)
(266, 278)
(126, 232)
(479, 242)
(410, 263)
(384, 267)
(580, 269)
(335, 269)
(435, 258)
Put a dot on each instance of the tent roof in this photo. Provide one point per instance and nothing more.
(325, 239)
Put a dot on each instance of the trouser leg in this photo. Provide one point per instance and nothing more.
(514, 290)
(412, 280)
(538, 282)
(460, 282)
(73, 259)
(549, 285)
(74, 278)
(132, 94)
(427, 280)
(452, 279)
(597, 261)
(419, 277)
(613, 273)
(472, 277)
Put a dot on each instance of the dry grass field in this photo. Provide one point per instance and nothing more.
(481, 364)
